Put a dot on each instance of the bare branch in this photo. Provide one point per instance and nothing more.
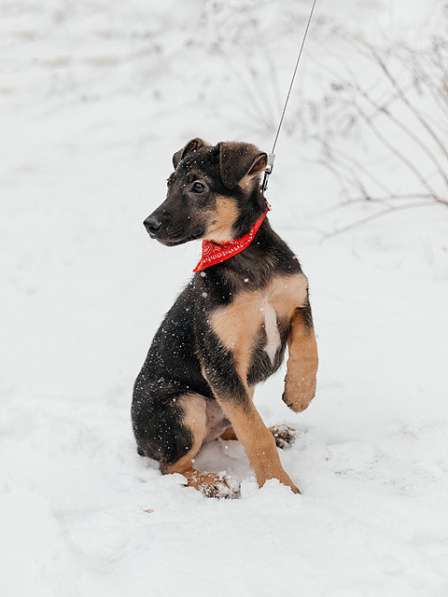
(412, 168)
(372, 217)
(405, 100)
(406, 130)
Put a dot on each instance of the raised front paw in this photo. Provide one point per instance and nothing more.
(284, 435)
(299, 400)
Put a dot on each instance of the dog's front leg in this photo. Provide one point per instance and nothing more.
(235, 398)
(258, 441)
(300, 380)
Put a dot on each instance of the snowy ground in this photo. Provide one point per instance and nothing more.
(94, 100)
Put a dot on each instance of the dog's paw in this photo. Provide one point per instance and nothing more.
(215, 485)
(299, 403)
(224, 488)
(284, 436)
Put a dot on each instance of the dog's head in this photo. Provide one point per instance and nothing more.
(211, 193)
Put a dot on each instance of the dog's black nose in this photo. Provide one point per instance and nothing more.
(152, 224)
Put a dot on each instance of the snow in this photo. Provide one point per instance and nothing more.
(95, 98)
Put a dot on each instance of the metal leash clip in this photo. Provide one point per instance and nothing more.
(268, 171)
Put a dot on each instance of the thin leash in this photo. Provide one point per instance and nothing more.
(271, 156)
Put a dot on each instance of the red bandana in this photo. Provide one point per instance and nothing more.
(212, 253)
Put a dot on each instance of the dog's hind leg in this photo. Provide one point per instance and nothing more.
(193, 423)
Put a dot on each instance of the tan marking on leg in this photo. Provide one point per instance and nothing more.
(222, 220)
(300, 380)
(257, 441)
(286, 293)
(195, 418)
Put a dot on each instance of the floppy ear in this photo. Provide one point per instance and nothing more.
(191, 146)
(238, 161)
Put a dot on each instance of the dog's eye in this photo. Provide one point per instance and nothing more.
(198, 187)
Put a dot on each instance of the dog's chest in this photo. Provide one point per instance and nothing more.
(238, 324)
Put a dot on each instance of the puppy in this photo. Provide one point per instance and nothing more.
(229, 327)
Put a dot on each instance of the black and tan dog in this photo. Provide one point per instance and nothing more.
(229, 327)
